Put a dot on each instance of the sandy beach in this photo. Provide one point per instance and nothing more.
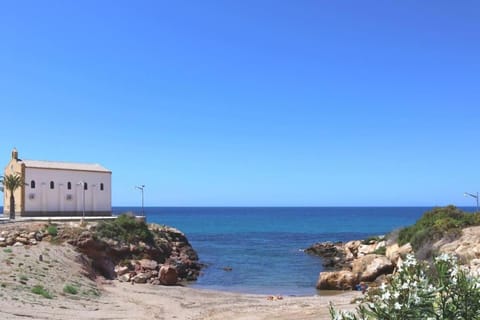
(53, 267)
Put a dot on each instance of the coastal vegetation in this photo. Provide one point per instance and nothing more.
(442, 291)
(126, 228)
(40, 290)
(427, 284)
(70, 289)
(52, 230)
(441, 222)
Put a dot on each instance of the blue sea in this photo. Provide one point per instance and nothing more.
(263, 246)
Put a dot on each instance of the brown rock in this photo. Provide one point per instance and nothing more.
(365, 249)
(337, 280)
(325, 249)
(148, 264)
(351, 249)
(168, 275)
(369, 267)
(394, 252)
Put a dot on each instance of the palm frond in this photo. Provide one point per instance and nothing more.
(12, 182)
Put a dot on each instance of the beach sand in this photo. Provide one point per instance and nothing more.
(22, 268)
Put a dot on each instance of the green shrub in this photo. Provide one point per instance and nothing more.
(125, 229)
(52, 230)
(70, 289)
(444, 292)
(40, 290)
(435, 224)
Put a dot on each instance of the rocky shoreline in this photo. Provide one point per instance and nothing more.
(168, 260)
(353, 263)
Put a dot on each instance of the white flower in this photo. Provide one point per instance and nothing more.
(386, 296)
(410, 261)
(397, 306)
(454, 271)
(443, 257)
(416, 299)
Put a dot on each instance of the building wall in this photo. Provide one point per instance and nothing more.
(52, 195)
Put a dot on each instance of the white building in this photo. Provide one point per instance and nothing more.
(59, 188)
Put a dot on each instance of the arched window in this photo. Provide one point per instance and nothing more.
(69, 185)
(32, 184)
(52, 185)
(101, 186)
(85, 186)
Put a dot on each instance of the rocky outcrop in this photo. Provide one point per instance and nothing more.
(466, 248)
(337, 280)
(370, 267)
(170, 251)
(348, 264)
(133, 261)
(395, 252)
(333, 254)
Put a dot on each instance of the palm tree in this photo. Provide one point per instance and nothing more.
(12, 182)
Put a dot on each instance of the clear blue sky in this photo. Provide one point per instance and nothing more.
(321, 103)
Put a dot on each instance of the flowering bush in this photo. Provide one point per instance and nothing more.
(445, 291)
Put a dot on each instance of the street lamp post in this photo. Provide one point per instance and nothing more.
(82, 183)
(473, 196)
(141, 189)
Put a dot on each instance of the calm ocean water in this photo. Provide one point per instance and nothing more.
(263, 246)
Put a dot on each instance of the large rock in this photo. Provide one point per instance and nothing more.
(365, 249)
(168, 275)
(337, 280)
(148, 264)
(371, 266)
(466, 247)
(394, 252)
(325, 249)
(351, 249)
